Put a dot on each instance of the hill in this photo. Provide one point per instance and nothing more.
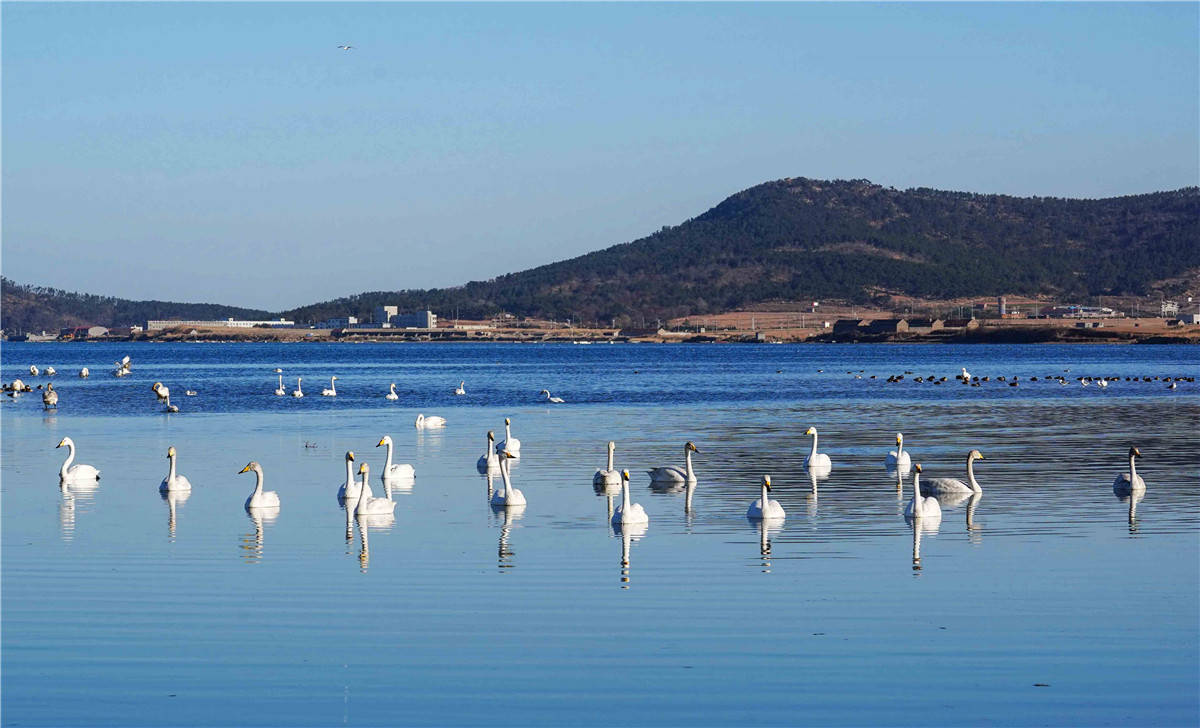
(29, 308)
(797, 239)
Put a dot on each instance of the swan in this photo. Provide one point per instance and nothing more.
(920, 506)
(50, 397)
(765, 508)
(556, 400)
(604, 478)
(161, 391)
(897, 458)
(488, 460)
(349, 490)
(33, 370)
(510, 444)
(953, 485)
(1130, 482)
(173, 481)
(50, 371)
(672, 474)
(75, 474)
(508, 496)
(19, 386)
(259, 499)
(367, 505)
(189, 393)
(397, 471)
(460, 390)
(332, 391)
(280, 391)
(392, 393)
(429, 423)
(816, 459)
(627, 512)
(297, 392)
(966, 376)
(84, 373)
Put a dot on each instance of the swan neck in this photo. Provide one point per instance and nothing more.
(258, 481)
(813, 453)
(610, 459)
(171, 471)
(971, 475)
(504, 476)
(71, 458)
(624, 495)
(387, 463)
(917, 504)
(507, 432)
(765, 499)
(362, 494)
(1132, 469)
(687, 463)
(899, 449)
(349, 474)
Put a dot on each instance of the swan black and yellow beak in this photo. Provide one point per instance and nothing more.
(625, 474)
(350, 455)
(766, 480)
(362, 468)
(380, 443)
(1135, 452)
(170, 451)
(491, 435)
(507, 421)
(60, 444)
(245, 469)
(917, 467)
(693, 448)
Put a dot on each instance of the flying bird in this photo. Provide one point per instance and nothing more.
(345, 47)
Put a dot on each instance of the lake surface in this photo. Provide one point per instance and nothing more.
(1044, 601)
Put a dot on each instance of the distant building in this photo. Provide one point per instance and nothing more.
(1168, 308)
(888, 326)
(344, 322)
(81, 332)
(1189, 318)
(848, 326)
(1077, 311)
(390, 316)
(968, 324)
(925, 325)
(383, 316)
(159, 325)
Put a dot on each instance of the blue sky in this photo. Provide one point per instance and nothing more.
(230, 153)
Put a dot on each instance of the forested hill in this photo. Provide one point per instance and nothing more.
(28, 308)
(797, 239)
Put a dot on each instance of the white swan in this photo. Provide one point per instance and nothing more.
(369, 506)
(628, 513)
(1129, 482)
(280, 391)
(765, 508)
(161, 391)
(50, 397)
(429, 423)
(460, 389)
(920, 506)
(398, 471)
(816, 459)
(897, 458)
(510, 444)
(33, 370)
(508, 496)
(332, 391)
(392, 393)
(556, 400)
(50, 371)
(349, 490)
(610, 476)
(173, 481)
(297, 392)
(84, 373)
(966, 376)
(488, 460)
(75, 474)
(673, 474)
(939, 486)
(259, 499)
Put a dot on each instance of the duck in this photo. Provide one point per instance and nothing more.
(488, 460)
(431, 422)
(940, 486)
(50, 397)
(604, 478)
(368, 505)
(173, 481)
(921, 506)
(259, 498)
(628, 513)
(189, 393)
(297, 392)
(392, 393)
(349, 490)
(816, 459)
(556, 400)
(460, 390)
(897, 458)
(399, 471)
(510, 444)
(508, 495)
(764, 508)
(331, 391)
(79, 474)
(1130, 482)
(673, 474)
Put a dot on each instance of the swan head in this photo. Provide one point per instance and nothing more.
(811, 431)
(363, 469)
(491, 436)
(155, 387)
(689, 446)
(508, 455)
(766, 481)
(899, 438)
(917, 467)
(420, 418)
(625, 475)
(349, 456)
(251, 466)
(278, 370)
(66, 442)
(975, 455)
(1133, 452)
(385, 440)
(507, 422)
(612, 445)
(171, 451)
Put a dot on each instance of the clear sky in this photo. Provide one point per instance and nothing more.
(230, 153)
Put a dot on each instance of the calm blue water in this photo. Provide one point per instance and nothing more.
(1045, 601)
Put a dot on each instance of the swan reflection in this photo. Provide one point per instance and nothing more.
(628, 533)
(398, 485)
(252, 543)
(173, 499)
(765, 527)
(511, 514)
(813, 496)
(916, 551)
(1132, 498)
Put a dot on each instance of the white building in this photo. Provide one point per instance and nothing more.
(159, 325)
(388, 316)
(344, 322)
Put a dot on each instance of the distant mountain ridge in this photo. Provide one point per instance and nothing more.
(787, 240)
